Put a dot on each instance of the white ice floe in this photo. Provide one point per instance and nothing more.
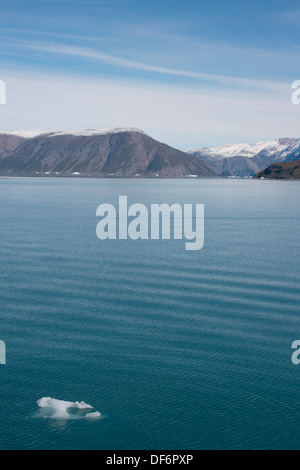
(96, 414)
(60, 409)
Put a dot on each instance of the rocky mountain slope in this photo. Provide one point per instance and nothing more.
(94, 152)
(284, 170)
(248, 159)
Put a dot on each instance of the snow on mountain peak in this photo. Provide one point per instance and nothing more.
(269, 148)
(30, 134)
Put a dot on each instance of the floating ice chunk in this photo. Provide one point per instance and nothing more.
(96, 414)
(60, 409)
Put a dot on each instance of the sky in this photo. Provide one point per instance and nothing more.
(191, 74)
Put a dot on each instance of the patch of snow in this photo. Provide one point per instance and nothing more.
(269, 148)
(30, 134)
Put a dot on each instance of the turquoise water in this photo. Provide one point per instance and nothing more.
(176, 349)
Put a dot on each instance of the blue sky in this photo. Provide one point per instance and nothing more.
(190, 73)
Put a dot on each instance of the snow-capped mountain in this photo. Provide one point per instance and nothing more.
(292, 152)
(31, 134)
(96, 152)
(269, 148)
(249, 159)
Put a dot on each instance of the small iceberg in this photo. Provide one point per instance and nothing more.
(60, 409)
(96, 414)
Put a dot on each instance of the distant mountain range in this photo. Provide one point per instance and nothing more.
(284, 170)
(128, 152)
(95, 152)
(246, 159)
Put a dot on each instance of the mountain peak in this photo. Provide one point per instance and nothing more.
(111, 151)
(32, 133)
(245, 150)
(248, 159)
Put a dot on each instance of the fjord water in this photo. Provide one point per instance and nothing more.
(177, 349)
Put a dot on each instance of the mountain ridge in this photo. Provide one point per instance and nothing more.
(32, 133)
(248, 159)
(99, 152)
(281, 170)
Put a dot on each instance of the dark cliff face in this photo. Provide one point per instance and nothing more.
(285, 170)
(125, 153)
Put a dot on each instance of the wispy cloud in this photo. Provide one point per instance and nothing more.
(168, 51)
(201, 76)
(50, 34)
(87, 53)
(184, 116)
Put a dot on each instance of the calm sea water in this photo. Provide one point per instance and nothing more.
(176, 349)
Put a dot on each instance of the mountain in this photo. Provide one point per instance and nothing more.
(248, 159)
(292, 152)
(284, 170)
(236, 166)
(94, 152)
(8, 143)
(246, 150)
